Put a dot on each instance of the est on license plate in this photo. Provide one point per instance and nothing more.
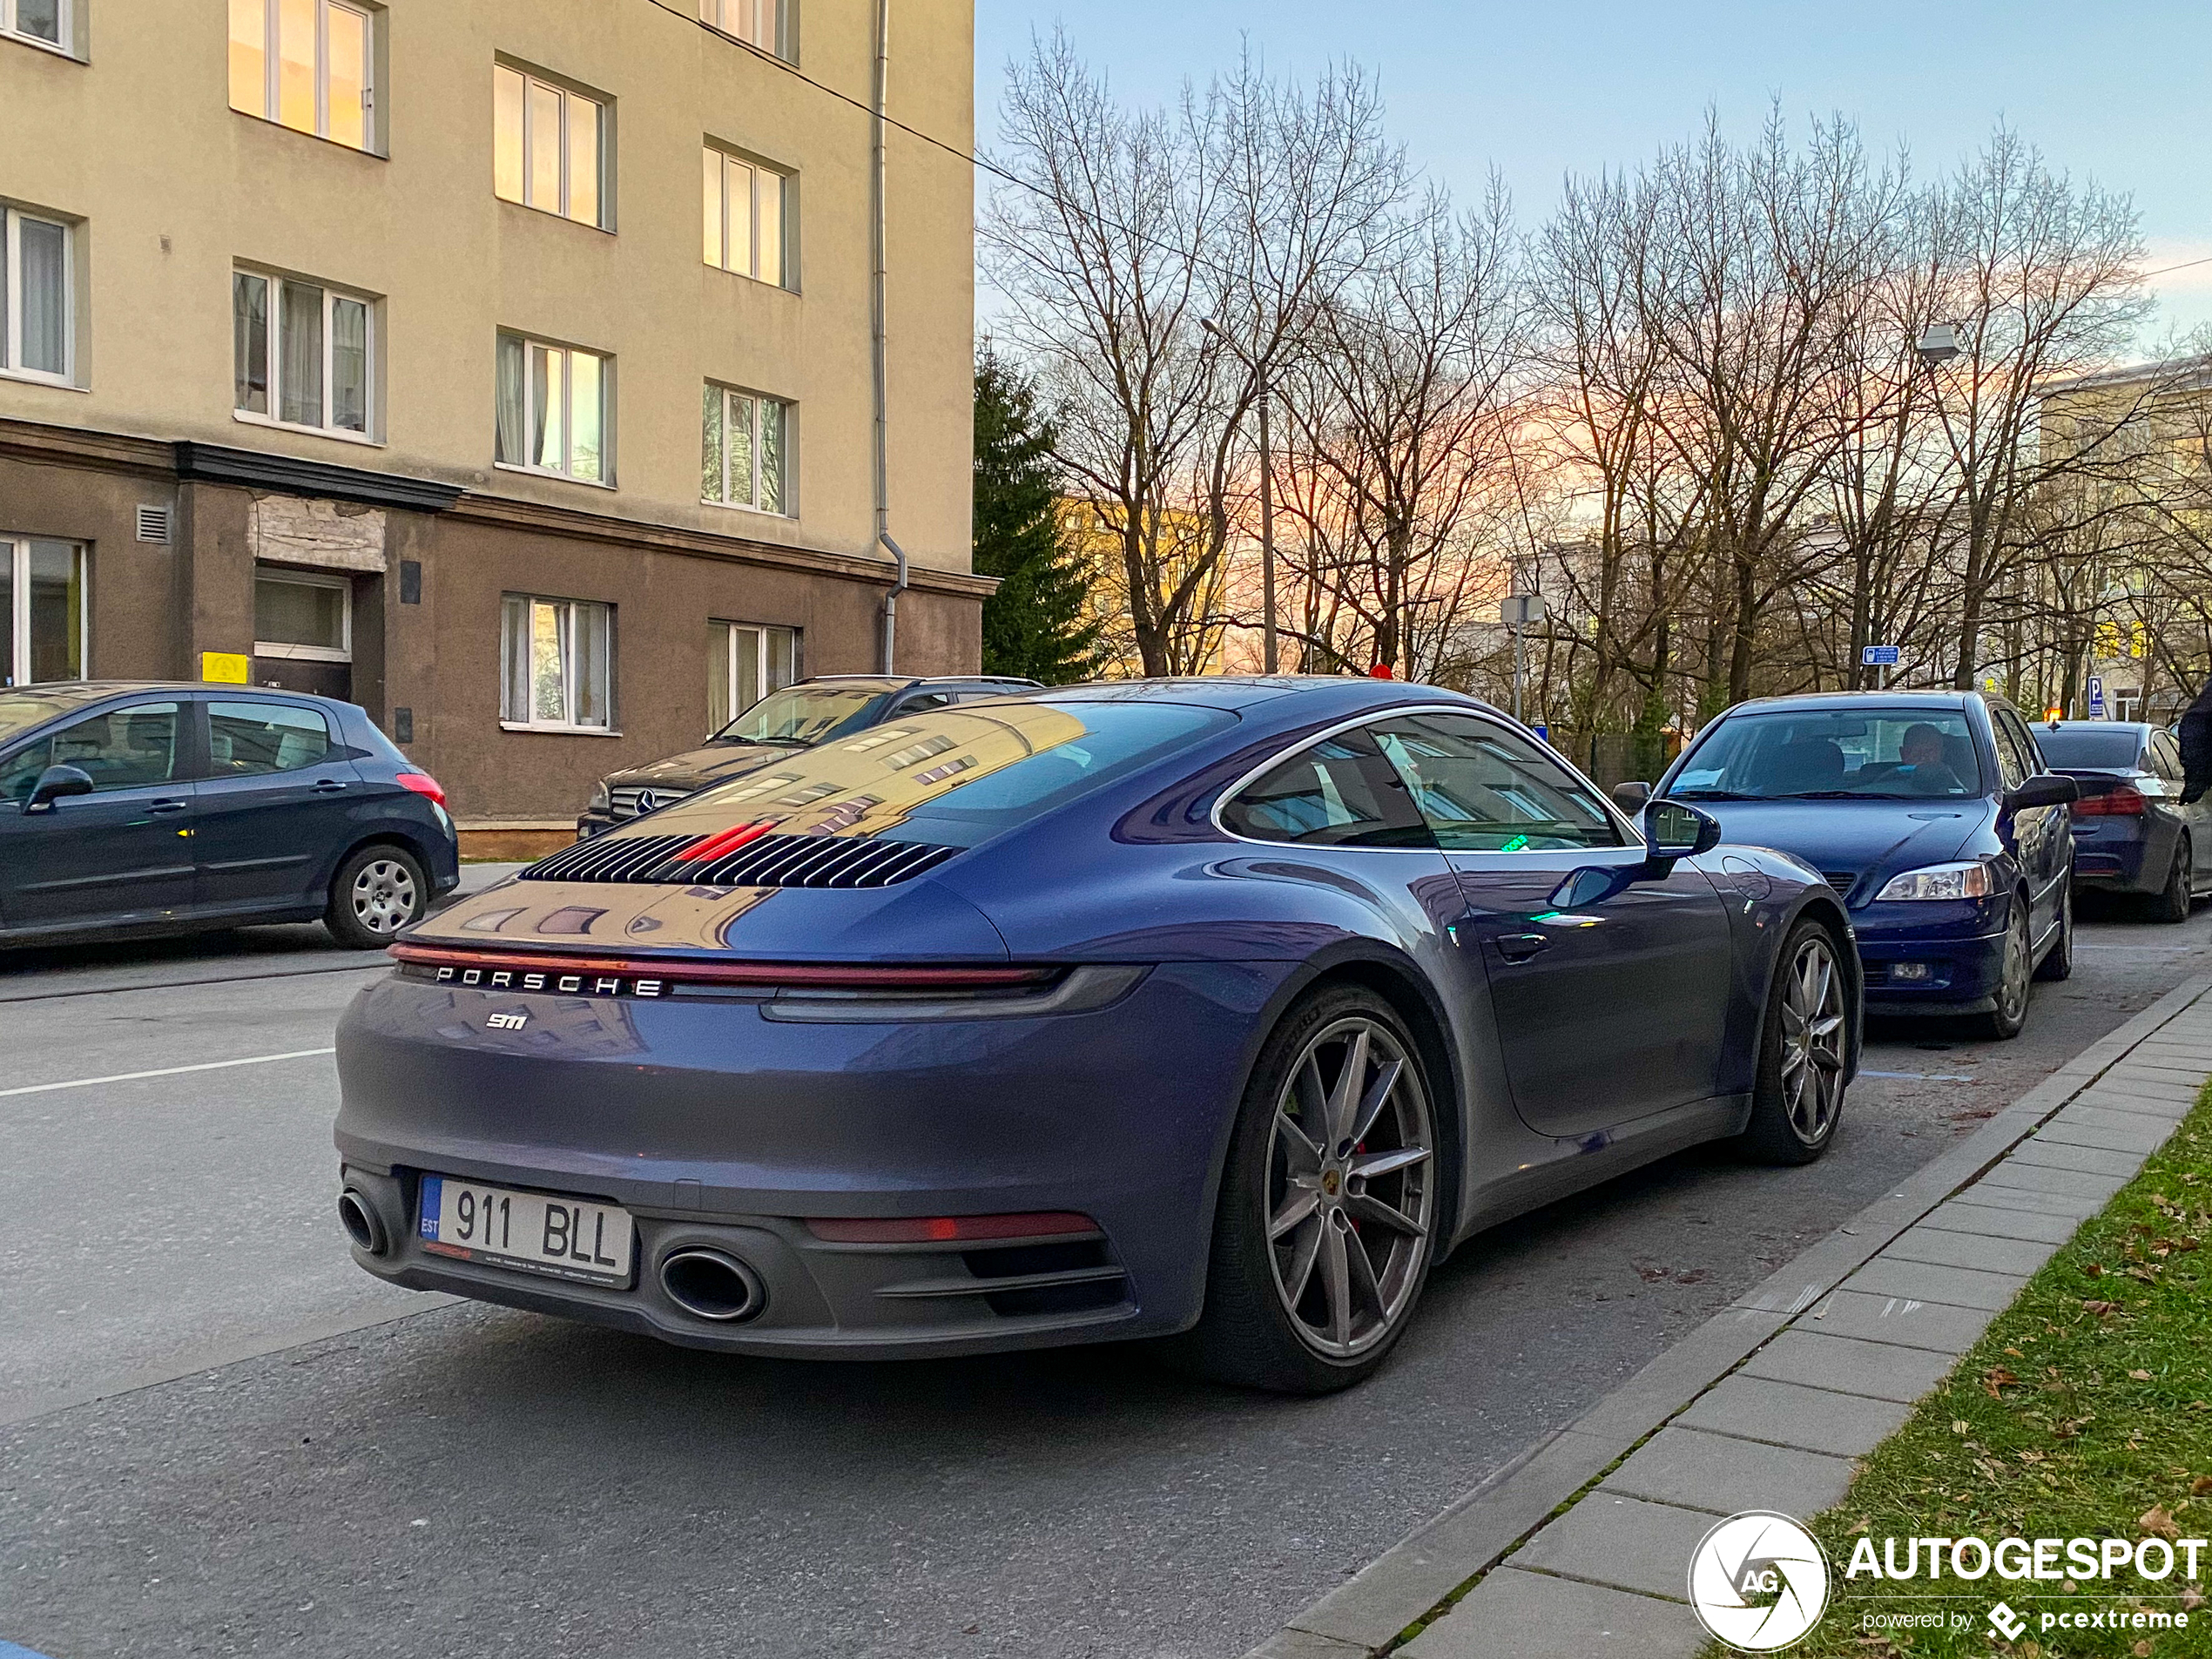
(567, 1237)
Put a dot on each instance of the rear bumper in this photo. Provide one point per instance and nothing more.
(2121, 855)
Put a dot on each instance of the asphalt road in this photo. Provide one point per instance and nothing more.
(219, 1437)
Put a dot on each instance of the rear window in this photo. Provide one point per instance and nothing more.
(955, 777)
(804, 714)
(2088, 748)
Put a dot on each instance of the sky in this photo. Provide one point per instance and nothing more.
(2110, 91)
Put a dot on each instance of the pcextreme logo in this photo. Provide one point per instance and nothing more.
(1758, 1582)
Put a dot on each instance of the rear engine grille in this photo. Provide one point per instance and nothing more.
(1842, 880)
(625, 802)
(770, 861)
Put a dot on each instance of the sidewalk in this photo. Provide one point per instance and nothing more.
(1582, 1548)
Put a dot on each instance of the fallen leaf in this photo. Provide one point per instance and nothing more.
(2202, 1485)
(2155, 1518)
(2192, 1598)
(2140, 1376)
(2016, 1354)
(2094, 1270)
(2101, 1307)
(1996, 1378)
(2141, 1651)
(1959, 1426)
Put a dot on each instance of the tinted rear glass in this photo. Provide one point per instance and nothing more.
(2086, 748)
(1885, 754)
(804, 714)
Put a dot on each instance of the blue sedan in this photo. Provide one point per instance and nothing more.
(1932, 812)
(1209, 1010)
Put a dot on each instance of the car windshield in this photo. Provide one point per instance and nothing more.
(1876, 754)
(2090, 748)
(20, 711)
(955, 777)
(804, 715)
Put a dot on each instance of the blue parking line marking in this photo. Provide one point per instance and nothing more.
(10, 1650)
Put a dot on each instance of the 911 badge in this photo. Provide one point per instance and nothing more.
(507, 1022)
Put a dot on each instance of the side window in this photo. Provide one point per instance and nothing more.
(2031, 756)
(1338, 792)
(1483, 789)
(2010, 761)
(2165, 759)
(246, 739)
(124, 748)
(20, 771)
(921, 701)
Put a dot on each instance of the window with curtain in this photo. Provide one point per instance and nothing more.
(746, 216)
(744, 662)
(38, 301)
(552, 414)
(41, 610)
(300, 353)
(304, 617)
(549, 147)
(745, 460)
(557, 663)
(759, 21)
(46, 21)
(306, 65)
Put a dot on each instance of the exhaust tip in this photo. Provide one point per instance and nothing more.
(713, 1285)
(362, 1224)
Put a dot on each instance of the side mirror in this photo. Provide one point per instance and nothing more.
(1630, 797)
(1674, 829)
(2050, 789)
(54, 783)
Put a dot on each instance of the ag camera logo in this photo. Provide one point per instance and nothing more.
(1758, 1582)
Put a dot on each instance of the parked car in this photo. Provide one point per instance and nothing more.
(799, 716)
(2133, 835)
(142, 807)
(1931, 812)
(1215, 1009)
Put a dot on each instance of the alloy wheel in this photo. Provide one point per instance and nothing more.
(1350, 1187)
(1812, 1040)
(383, 895)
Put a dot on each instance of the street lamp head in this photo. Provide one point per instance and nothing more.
(1213, 328)
(1939, 344)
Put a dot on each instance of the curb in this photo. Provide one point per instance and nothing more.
(1441, 1561)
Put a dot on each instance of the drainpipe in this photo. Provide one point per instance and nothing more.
(879, 329)
(891, 605)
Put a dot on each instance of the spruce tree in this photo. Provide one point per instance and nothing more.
(1034, 626)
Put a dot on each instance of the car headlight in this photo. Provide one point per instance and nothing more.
(601, 801)
(1939, 881)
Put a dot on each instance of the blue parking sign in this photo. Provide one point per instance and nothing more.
(1878, 657)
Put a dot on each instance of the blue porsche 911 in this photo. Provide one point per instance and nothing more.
(1208, 1010)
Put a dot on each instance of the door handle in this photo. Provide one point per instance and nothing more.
(329, 785)
(1519, 947)
(168, 805)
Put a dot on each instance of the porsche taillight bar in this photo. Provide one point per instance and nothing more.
(692, 971)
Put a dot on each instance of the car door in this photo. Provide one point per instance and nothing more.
(118, 857)
(2165, 759)
(275, 807)
(2042, 836)
(1610, 992)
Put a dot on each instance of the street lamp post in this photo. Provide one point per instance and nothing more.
(1268, 649)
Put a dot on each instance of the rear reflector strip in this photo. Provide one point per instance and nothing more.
(674, 971)
(948, 1230)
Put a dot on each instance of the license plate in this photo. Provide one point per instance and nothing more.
(567, 1237)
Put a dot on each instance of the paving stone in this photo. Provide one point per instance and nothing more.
(1288, 1643)
(2145, 1138)
(1849, 1365)
(1782, 1413)
(2070, 1184)
(1718, 1473)
(2149, 1085)
(2127, 1105)
(1625, 1543)
(2018, 1256)
(2091, 1114)
(2042, 1203)
(1924, 1282)
(1936, 1326)
(2091, 1160)
(2187, 1073)
(1962, 1215)
(1513, 1615)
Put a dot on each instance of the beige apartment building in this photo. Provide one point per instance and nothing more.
(504, 366)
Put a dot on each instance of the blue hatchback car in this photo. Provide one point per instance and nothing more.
(130, 808)
(1932, 813)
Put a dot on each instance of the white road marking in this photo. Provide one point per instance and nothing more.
(168, 1071)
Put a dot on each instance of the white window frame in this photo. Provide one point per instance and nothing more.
(530, 343)
(344, 586)
(273, 347)
(567, 609)
(15, 550)
(741, 20)
(764, 677)
(65, 19)
(604, 221)
(760, 175)
(787, 452)
(271, 71)
(11, 259)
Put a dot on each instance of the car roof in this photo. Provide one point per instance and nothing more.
(1947, 697)
(2097, 725)
(900, 682)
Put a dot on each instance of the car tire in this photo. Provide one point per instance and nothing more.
(2009, 1017)
(1805, 1049)
(377, 891)
(1296, 1301)
(2058, 962)
(2171, 903)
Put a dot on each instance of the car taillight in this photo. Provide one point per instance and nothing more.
(422, 784)
(2127, 801)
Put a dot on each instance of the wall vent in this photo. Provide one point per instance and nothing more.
(153, 524)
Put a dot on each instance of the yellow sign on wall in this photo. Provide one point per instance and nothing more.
(226, 667)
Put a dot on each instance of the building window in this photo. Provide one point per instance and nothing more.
(553, 410)
(306, 65)
(46, 21)
(300, 354)
(758, 22)
(36, 300)
(746, 459)
(306, 617)
(549, 147)
(745, 212)
(558, 658)
(744, 662)
(41, 610)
